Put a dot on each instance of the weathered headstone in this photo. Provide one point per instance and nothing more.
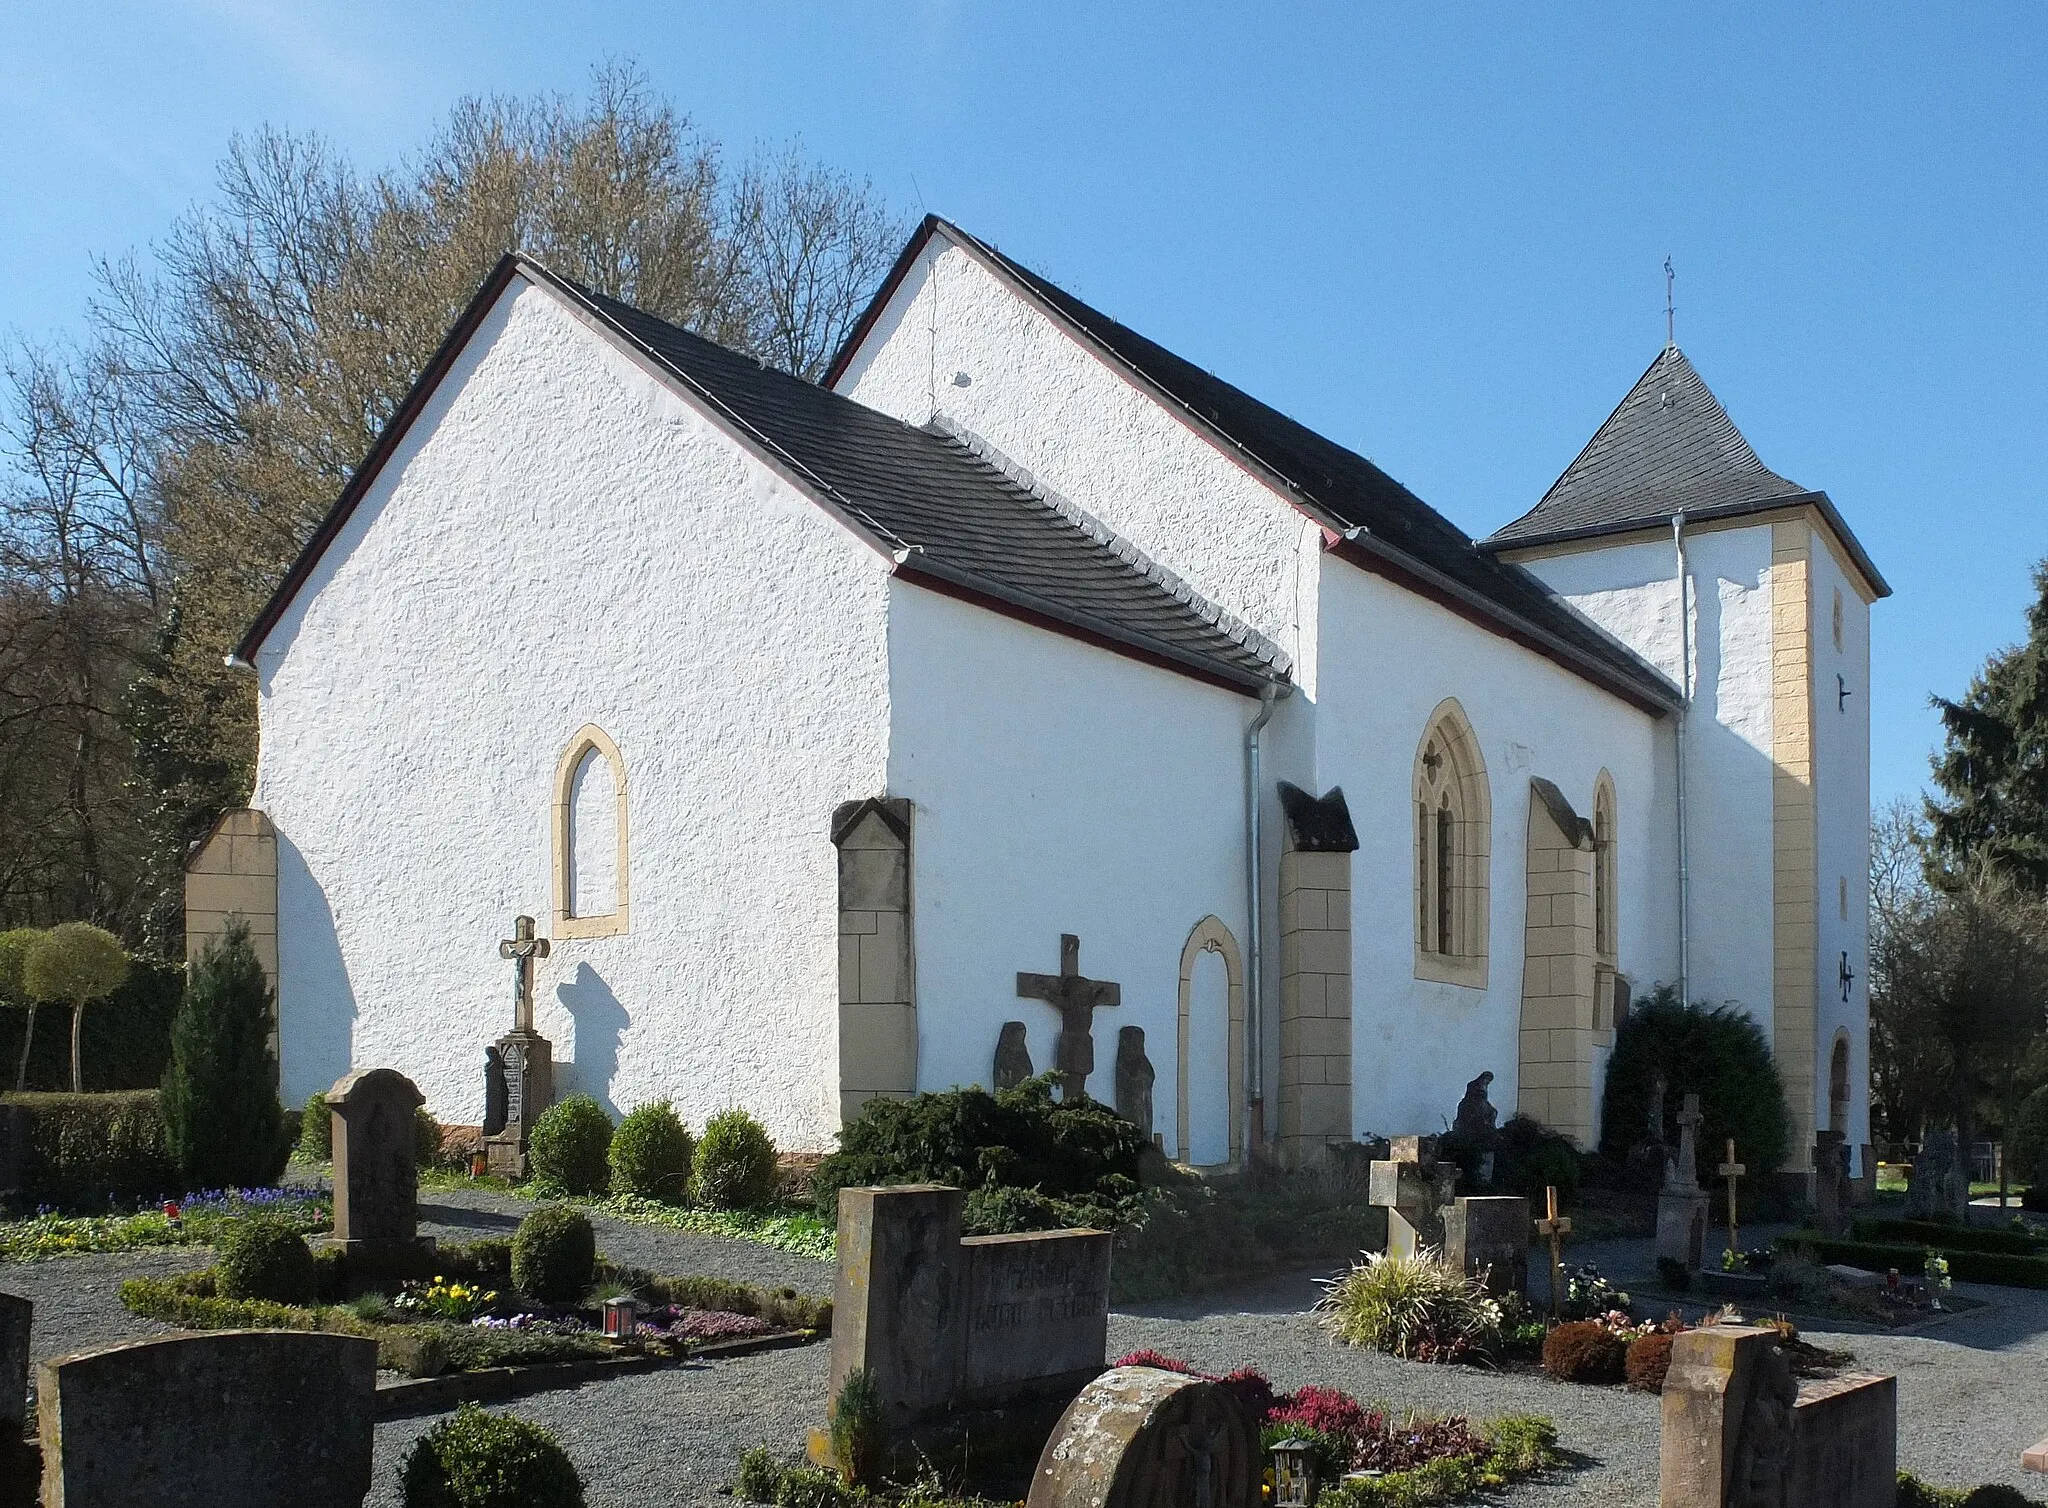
(376, 1170)
(1139, 1437)
(1413, 1192)
(1831, 1188)
(943, 1323)
(1134, 1078)
(1076, 999)
(17, 1321)
(1739, 1432)
(1013, 1056)
(525, 1061)
(1939, 1187)
(1489, 1237)
(231, 1419)
(1682, 1203)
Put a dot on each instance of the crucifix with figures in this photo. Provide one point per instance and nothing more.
(1076, 999)
(519, 1070)
(522, 947)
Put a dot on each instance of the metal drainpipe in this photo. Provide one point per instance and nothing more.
(1684, 711)
(1255, 1016)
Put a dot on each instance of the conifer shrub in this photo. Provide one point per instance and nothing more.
(264, 1259)
(1529, 1157)
(859, 1432)
(651, 1154)
(554, 1254)
(1583, 1351)
(223, 1122)
(1648, 1359)
(2028, 1143)
(570, 1146)
(316, 1129)
(734, 1164)
(482, 1460)
(1718, 1053)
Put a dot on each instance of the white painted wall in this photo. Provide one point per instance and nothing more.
(562, 541)
(1631, 590)
(1389, 658)
(956, 339)
(1057, 789)
(1841, 744)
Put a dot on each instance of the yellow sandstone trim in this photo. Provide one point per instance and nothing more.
(1795, 923)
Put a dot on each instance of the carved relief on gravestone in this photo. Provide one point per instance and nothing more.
(1134, 1079)
(1139, 1437)
(495, 1092)
(1013, 1056)
(376, 1175)
(1076, 999)
(1727, 1426)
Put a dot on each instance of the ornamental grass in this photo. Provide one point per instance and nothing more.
(1412, 1307)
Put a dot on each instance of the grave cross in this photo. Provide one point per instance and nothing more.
(1732, 1171)
(1554, 1228)
(1682, 1172)
(522, 947)
(1075, 999)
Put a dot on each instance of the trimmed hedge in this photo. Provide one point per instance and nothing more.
(650, 1154)
(1945, 1238)
(786, 1309)
(79, 1150)
(1965, 1266)
(125, 1040)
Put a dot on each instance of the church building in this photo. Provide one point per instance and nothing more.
(1025, 696)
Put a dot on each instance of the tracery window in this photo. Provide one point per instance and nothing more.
(1453, 849)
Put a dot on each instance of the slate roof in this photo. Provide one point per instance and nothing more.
(1380, 522)
(1668, 448)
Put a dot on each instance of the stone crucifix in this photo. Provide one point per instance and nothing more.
(1076, 999)
(522, 947)
(1732, 1171)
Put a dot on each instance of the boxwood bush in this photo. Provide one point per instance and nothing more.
(570, 1146)
(263, 1259)
(1718, 1053)
(734, 1164)
(554, 1254)
(316, 1130)
(482, 1460)
(650, 1154)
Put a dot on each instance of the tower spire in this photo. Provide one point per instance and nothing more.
(1670, 308)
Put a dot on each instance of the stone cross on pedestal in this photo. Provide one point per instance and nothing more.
(1732, 1171)
(519, 1072)
(1076, 999)
(522, 947)
(1554, 1227)
(1682, 1203)
(1685, 1172)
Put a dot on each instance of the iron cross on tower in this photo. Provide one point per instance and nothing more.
(522, 947)
(1075, 999)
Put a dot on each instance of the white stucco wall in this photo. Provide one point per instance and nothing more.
(1631, 590)
(1389, 658)
(956, 339)
(1841, 742)
(1057, 789)
(560, 541)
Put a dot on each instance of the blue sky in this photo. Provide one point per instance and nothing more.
(1434, 232)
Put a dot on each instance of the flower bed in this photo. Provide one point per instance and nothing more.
(201, 1219)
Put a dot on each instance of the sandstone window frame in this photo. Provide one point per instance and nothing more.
(1453, 851)
(1606, 873)
(588, 741)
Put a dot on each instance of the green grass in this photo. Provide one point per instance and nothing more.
(797, 1231)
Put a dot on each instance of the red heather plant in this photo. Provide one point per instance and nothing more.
(1330, 1412)
(1151, 1358)
(1250, 1385)
(1416, 1441)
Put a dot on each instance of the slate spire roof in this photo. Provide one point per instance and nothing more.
(1668, 448)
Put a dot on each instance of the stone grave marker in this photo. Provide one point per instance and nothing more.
(1682, 1203)
(231, 1419)
(1413, 1192)
(1832, 1194)
(945, 1324)
(1489, 1237)
(1739, 1432)
(520, 1068)
(1138, 1437)
(376, 1173)
(1732, 1171)
(1939, 1186)
(17, 1318)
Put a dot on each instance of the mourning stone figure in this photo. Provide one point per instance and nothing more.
(1134, 1079)
(1013, 1056)
(1476, 1115)
(495, 1092)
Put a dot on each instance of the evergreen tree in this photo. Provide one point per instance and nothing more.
(1993, 767)
(223, 1122)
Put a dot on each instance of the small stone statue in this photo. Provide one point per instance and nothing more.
(1476, 1115)
(496, 1096)
(1134, 1078)
(1013, 1056)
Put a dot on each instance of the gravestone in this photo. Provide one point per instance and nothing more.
(1076, 999)
(231, 1419)
(522, 1074)
(1134, 1078)
(17, 1320)
(1413, 1191)
(1739, 1432)
(1939, 1188)
(1831, 1189)
(1489, 1237)
(376, 1172)
(1682, 1203)
(945, 1324)
(1013, 1056)
(1139, 1437)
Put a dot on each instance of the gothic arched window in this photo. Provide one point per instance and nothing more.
(591, 878)
(1453, 850)
(1605, 913)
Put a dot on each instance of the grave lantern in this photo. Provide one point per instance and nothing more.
(479, 1163)
(1294, 1474)
(621, 1318)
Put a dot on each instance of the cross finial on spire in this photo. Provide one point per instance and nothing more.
(1670, 308)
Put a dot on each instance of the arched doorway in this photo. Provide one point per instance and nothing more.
(1209, 1083)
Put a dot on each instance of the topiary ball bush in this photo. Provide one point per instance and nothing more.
(1649, 1358)
(480, 1460)
(650, 1154)
(263, 1259)
(570, 1146)
(316, 1130)
(1718, 1053)
(1583, 1351)
(554, 1254)
(734, 1166)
